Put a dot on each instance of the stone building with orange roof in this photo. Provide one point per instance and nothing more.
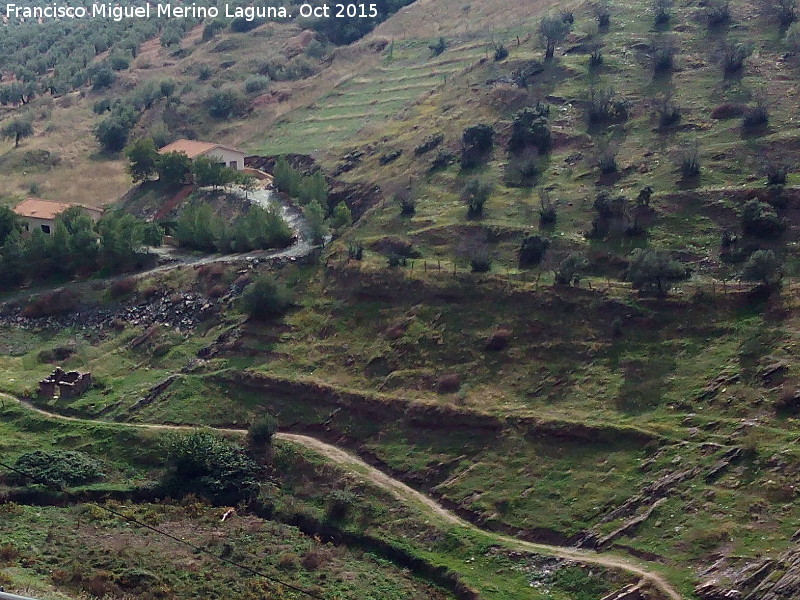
(39, 213)
(230, 157)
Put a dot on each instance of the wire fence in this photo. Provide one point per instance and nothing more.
(425, 269)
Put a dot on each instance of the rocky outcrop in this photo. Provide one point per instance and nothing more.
(713, 388)
(639, 507)
(767, 579)
(154, 393)
(629, 592)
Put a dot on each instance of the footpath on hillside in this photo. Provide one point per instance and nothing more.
(407, 494)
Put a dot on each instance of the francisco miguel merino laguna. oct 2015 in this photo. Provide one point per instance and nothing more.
(159, 10)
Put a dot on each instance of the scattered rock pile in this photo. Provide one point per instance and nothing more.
(179, 310)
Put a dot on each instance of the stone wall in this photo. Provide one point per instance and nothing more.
(68, 384)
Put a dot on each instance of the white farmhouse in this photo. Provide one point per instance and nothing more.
(230, 157)
(36, 213)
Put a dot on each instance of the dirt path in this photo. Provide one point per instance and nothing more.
(407, 494)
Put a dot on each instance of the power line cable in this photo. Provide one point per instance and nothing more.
(198, 549)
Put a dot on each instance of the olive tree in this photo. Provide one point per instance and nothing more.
(553, 29)
(653, 270)
(18, 129)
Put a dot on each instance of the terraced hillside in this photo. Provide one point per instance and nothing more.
(406, 73)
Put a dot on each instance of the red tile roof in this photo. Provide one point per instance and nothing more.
(192, 148)
(45, 209)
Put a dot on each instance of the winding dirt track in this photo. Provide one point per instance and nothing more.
(406, 494)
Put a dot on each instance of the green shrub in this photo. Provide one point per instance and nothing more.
(522, 169)
(342, 217)
(732, 56)
(355, 251)
(761, 220)
(689, 161)
(571, 269)
(477, 141)
(662, 11)
(256, 83)
(606, 155)
(265, 298)
(340, 504)
(407, 202)
(718, 12)
(243, 25)
(101, 106)
(662, 53)
(205, 464)
(530, 128)
(653, 270)
(438, 47)
(480, 264)
(475, 196)
(792, 37)
(57, 468)
(223, 104)
(580, 585)
(776, 173)
(553, 29)
(602, 13)
(756, 115)
(119, 62)
(668, 112)
(261, 431)
(606, 107)
(315, 49)
(103, 78)
(205, 72)
(533, 250)
(763, 267)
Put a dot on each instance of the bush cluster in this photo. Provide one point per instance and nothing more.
(76, 245)
(198, 227)
(209, 466)
(265, 298)
(293, 182)
(57, 468)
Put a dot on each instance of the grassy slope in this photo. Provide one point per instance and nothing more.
(85, 549)
(559, 365)
(563, 361)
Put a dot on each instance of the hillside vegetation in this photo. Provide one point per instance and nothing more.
(566, 308)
